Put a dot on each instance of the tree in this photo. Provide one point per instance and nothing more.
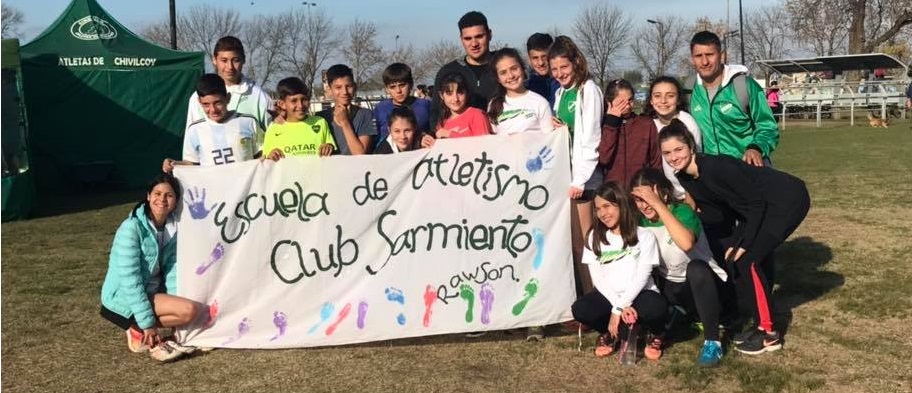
(656, 45)
(202, 25)
(363, 53)
(601, 31)
(858, 26)
(820, 25)
(264, 39)
(440, 53)
(12, 19)
(311, 41)
(635, 77)
(766, 36)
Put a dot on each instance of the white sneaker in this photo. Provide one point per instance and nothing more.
(165, 353)
(184, 349)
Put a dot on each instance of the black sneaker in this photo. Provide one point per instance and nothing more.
(760, 342)
(746, 335)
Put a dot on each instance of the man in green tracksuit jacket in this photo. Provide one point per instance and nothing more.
(740, 127)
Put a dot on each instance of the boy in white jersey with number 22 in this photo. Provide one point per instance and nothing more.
(224, 136)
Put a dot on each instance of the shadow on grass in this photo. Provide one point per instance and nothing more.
(800, 277)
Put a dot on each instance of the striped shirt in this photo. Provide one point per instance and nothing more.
(233, 140)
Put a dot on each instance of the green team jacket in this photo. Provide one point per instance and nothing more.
(725, 128)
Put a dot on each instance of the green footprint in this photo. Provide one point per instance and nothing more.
(468, 294)
(531, 289)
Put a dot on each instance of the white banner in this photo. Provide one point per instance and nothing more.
(471, 235)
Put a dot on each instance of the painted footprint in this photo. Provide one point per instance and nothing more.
(468, 294)
(487, 302)
(362, 313)
(430, 296)
(395, 295)
(539, 238)
(531, 289)
(213, 315)
(218, 252)
(281, 323)
(326, 312)
(342, 315)
(242, 329)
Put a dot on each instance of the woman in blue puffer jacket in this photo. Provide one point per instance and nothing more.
(142, 271)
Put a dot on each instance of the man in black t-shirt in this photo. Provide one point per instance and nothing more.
(475, 37)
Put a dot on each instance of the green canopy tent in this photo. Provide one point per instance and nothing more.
(18, 183)
(104, 106)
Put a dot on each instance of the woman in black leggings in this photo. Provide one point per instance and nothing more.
(768, 206)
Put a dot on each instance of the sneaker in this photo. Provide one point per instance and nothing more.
(184, 349)
(535, 333)
(475, 334)
(653, 350)
(711, 354)
(604, 346)
(135, 340)
(760, 342)
(746, 335)
(165, 353)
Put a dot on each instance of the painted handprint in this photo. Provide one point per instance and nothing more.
(216, 255)
(281, 323)
(196, 202)
(541, 160)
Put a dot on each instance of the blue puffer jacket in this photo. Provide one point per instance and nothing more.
(134, 256)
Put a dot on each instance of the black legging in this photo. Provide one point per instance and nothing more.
(594, 310)
(699, 295)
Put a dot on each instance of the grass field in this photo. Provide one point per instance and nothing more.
(844, 286)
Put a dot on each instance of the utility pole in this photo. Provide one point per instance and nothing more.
(173, 16)
(741, 27)
(660, 68)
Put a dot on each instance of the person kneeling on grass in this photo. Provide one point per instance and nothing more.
(620, 257)
(687, 274)
(403, 133)
(141, 266)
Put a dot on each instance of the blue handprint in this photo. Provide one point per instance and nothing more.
(540, 160)
(197, 203)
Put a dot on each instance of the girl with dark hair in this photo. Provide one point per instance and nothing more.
(513, 108)
(620, 257)
(457, 118)
(578, 106)
(664, 105)
(403, 133)
(142, 266)
(629, 142)
(687, 274)
(767, 206)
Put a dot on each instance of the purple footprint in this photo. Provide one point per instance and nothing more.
(362, 313)
(216, 255)
(281, 322)
(243, 328)
(487, 303)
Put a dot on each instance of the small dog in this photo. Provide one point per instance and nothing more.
(876, 122)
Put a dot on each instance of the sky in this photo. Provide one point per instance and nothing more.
(419, 22)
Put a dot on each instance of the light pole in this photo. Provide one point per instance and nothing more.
(725, 38)
(308, 5)
(741, 27)
(397, 43)
(660, 27)
(173, 16)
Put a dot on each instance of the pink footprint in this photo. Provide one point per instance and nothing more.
(342, 314)
(430, 296)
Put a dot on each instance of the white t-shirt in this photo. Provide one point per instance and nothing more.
(246, 98)
(528, 112)
(233, 140)
(620, 274)
(694, 129)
